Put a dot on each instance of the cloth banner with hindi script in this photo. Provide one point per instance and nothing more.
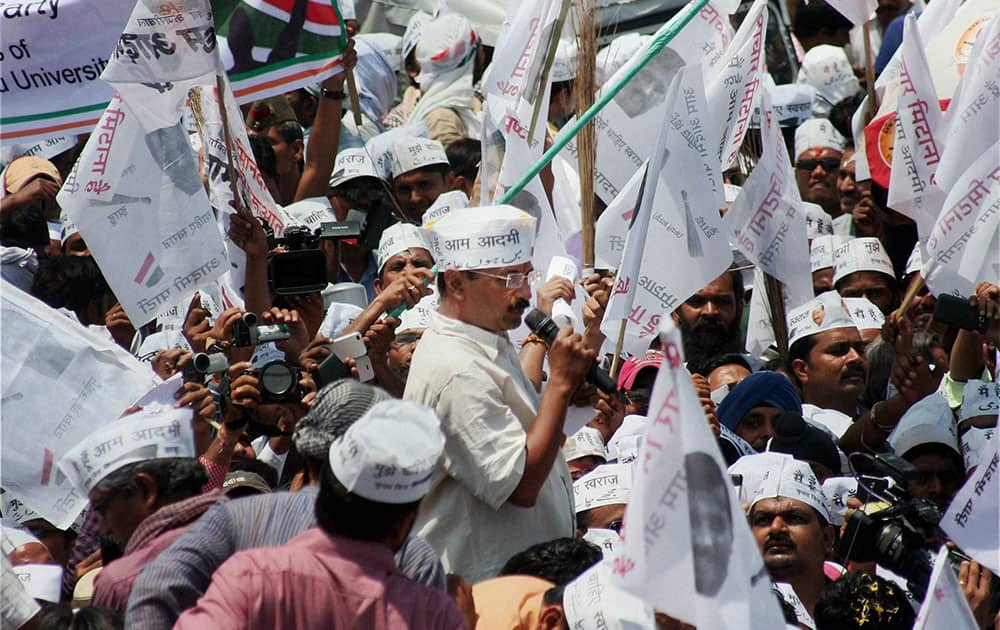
(677, 242)
(687, 549)
(138, 201)
(962, 246)
(60, 382)
(917, 148)
(973, 518)
(945, 606)
(54, 53)
(768, 219)
(622, 130)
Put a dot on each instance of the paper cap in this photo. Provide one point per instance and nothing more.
(818, 222)
(399, 238)
(791, 479)
(979, 398)
(352, 164)
(608, 540)
(41, 581)
(15, 509)
(482, 238)
(817, 133)
(311, 212)
(269, 112)
(865, 314)
(445, 203)
(564, 63)
(827, 69)
(915, 262)
(389, 454)
(445, 43)
(593, 602)
(927, 421)
(155, 432)
(820, 314)
(411, 35)
(975, 444)
(391, 47)
(410, 153)
(419, 316)
(624, 444)
(25, 168)
(821, 250)
(15, 536)
(587, 442)
(861, 254)
(608, 484)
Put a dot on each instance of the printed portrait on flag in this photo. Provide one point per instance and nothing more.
(649, 87)
(711, 522)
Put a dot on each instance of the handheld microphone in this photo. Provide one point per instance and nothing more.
(546, 329)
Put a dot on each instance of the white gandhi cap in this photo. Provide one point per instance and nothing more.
(482, 238)
(389, 454)
(820, 314)
(409, 154)
(861, 254)
(399, 238)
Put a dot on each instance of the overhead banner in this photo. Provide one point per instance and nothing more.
(52, 54)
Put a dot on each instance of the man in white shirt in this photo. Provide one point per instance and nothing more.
(501, 485)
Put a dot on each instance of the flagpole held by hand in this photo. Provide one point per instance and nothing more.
(352, 90)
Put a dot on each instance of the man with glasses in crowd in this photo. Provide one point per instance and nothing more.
(818, 150)
(501, 485)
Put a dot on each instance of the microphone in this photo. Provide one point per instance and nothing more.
(546, 329)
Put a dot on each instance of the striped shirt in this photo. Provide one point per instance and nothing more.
(180, 575)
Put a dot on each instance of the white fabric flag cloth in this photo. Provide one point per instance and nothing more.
(515, 74)
(677, 246)
(929, 22)
(945, 606)
(60, 382)
(687, 548)
(919, 127)
(139, 203)
(768, 218)
(973, 117)
(622, 128)
(732, 91)
(613, 224)
(973, 518)
(966, 233)
(857, 11)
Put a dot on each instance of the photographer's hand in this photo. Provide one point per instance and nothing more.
(199, 399)
(987, 300)
(314, 354)
(196, 326)
(294, 345)
(244, 391)
(598, 289)
(311, 310)
(120, 326)
(977, 586)
(166, 363)
(247, 233)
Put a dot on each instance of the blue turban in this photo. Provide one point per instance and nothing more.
(761, 389)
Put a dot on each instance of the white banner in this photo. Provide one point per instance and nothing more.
(972, 519)
(612, 226)
(917, 149)
(60, 382)
(857, 11)
(944, 607)
(684, 246)
(623, 128)
(732, 91)
(768, 219)
(140, 205)
(959, 246)
(687, 548)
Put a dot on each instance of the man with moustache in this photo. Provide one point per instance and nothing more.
(710, 319)
(818, 152)
(501, 485)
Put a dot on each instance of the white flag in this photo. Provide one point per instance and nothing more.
(857, 11)
(973, 518)
(962, 246)
(732, 91)
(973, 118)
(687, 548)
(677, 243)
(612, 226)
(919, 128)
(768, 219)
(60, 382)
(928, 22)
(139, 203)
(945, 606)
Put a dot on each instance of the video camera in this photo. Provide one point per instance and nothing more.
(247, 332)
(203, 363)
(301, 268)
(904, 537)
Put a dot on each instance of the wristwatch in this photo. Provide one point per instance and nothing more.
(339, 95)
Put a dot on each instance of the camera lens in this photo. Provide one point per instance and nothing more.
(277, 379)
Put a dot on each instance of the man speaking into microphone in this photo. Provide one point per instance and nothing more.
(501, 485)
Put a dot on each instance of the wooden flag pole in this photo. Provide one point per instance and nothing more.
(776, 306)
(220, 87)
(586, 143)
(866, 31)
(352, 90)
(550, 56)
(617, 359)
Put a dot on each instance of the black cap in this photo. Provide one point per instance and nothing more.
(796, 437)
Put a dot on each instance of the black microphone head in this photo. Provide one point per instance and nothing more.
(535, 319)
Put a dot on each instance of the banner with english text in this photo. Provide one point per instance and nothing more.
(53, 52)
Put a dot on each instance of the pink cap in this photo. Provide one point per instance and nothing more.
(633, 365)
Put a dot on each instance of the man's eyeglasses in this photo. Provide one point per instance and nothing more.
(829, 165)
(513, 280)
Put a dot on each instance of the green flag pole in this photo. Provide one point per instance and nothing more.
(678, 22)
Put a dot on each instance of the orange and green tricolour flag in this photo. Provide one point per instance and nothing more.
(51, 86)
